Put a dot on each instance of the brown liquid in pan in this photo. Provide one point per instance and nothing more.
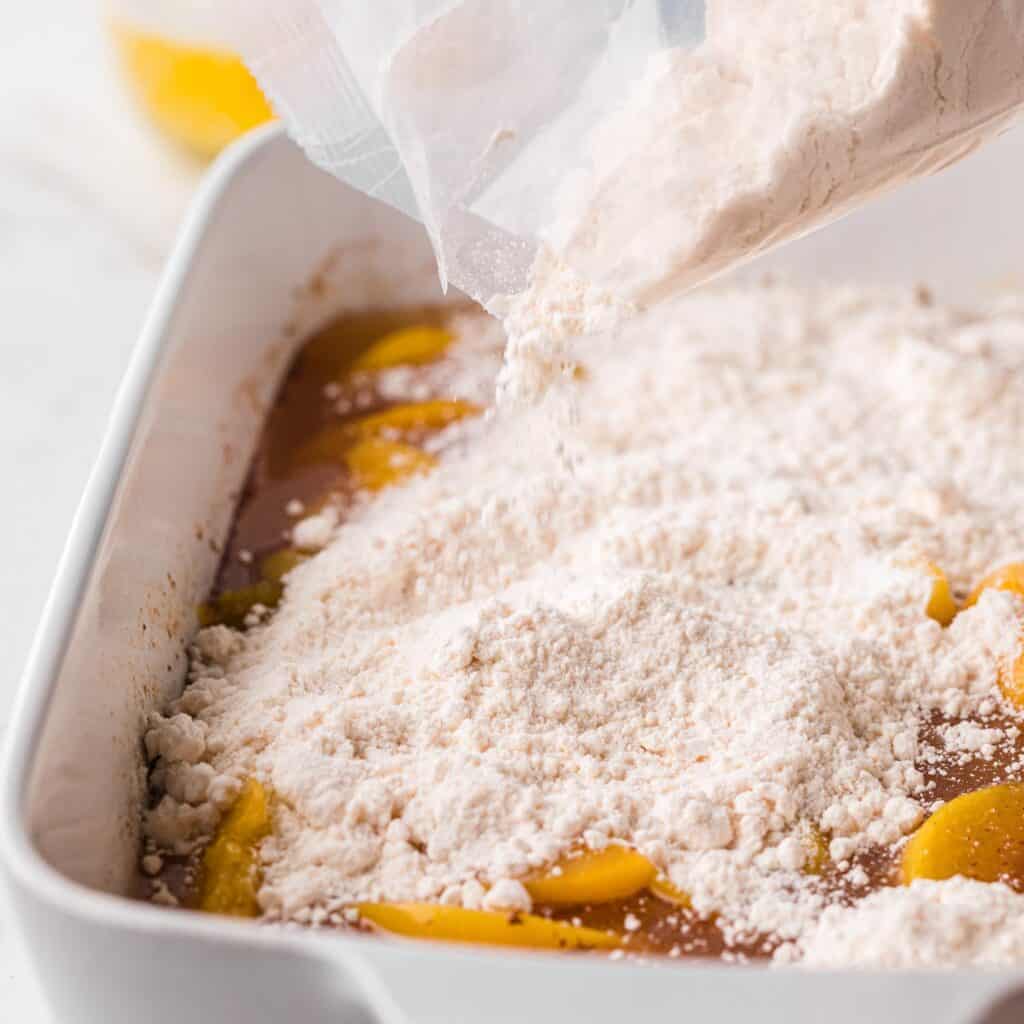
(300, 410)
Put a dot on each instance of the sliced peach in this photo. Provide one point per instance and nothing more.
(978, 835)
(277, 565)
(665, 890)
(411, 346)
(594, 876)
(413, 417)
(489, 927)
(941, 605)
(376, 464)
(230, 873)
(1009, 577)
(333, 443)
(232, 607)
(199, 95)
(819, 858)
(1011, 681)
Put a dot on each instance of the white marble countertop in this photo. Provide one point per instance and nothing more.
(89, 203)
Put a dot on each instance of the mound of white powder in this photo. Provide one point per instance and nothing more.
(924, 924)
(708, 639)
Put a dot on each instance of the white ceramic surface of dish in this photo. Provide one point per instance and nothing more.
(272, 248)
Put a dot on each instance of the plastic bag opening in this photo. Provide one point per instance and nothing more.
(468, 115)
(643, 146)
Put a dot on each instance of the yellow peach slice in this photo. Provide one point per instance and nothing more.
(1011, 681)
(819, 858)
(665, 890)
(489, 927)
(412, 346)
(277, 565)
(230, 872)
(594, 876)
(1009, 577)
(941, 605)
(979, 835)
(199, 96)
(376, 464)
(413, 416)
(333, 443)
(231, 607)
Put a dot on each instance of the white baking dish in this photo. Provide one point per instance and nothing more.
(273, 247)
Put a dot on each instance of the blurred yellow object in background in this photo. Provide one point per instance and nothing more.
(200, 96)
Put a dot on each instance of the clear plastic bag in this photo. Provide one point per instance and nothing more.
(468, 115)
(644, 145)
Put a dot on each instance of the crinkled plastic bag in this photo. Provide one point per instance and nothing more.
(646, 145)
(468, 115)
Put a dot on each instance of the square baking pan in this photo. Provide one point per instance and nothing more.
(272, 249)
